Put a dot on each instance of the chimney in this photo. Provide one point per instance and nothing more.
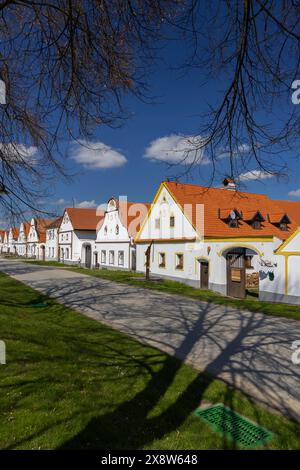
(229, 183)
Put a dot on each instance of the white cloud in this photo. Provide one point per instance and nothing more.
(295, 193)
(94, 155)
(240, 150)
(18, 153)
(256, 175)
(177, 149)
(87, 204)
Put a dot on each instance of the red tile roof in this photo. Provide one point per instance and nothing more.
(219, 200)
(83, 219)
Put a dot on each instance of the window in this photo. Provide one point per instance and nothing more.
(53, 252)
(179, 261)
(157, 223)
(248, 262)
(233, 223)
(111, 257)
(162, 260)
(172, 221)
(256, 224)
(121, 258)
(105, 230)
(103, 257)
(283, 226)
(67, 253)
(117, 229)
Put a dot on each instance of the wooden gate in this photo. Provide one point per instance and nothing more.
(236, 285)
(204, 274)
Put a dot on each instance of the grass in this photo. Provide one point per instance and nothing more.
(71, 382)
(251, 302)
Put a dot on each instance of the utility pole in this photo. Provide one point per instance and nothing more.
(148, 254)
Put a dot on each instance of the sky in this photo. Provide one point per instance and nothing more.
(132, 160)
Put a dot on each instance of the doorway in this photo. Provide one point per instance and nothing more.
(236, 273)
(204, 274)
(88, 256)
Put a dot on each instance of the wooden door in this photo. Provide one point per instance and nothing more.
(88, 256)
(204, 274)
(133, 260)
(236, 285)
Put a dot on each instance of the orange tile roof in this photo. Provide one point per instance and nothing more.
(291, 208)
(26, 226)
(54, 224)
(15, 232)
(226, 200)
(83, 219)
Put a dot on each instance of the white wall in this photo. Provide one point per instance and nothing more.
(113, 236)
(52, 244)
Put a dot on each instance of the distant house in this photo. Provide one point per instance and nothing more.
(114, 246)
(22, 238)
(13, 240)
(77, 235)
(5, 247)
(2, 234)
(52, 250)
(212, 238)
(36, 240)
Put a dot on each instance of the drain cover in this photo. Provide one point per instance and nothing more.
(234, 426)
(40, 305)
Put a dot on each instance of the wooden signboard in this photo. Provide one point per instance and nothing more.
(236, 275)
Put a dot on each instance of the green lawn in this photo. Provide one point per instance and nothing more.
(251, 302)
(71, 382)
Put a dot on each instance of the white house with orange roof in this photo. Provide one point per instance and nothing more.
(36, 239)
(213, 238)
(22, 238)
(13, 240)
(77, 235)
(52, 249)
(114, 246)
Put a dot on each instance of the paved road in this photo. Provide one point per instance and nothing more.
(251, 351)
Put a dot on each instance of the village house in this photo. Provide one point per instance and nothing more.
(2, 234)
(5, 242)
(212, 238)
(36, 240)
(114, 246)
(13, 234)
(52, 250)
(77, 235)
(22, 238)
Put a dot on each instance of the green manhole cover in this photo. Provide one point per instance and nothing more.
(234, 426)
(40, 305)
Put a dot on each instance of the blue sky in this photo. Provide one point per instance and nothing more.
(179, 100)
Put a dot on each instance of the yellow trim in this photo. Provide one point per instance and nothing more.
(238, 239)
(149, 212)
(243, 245)
(179, 253)
(162, 253)
(286, 274)
(283, 245)
(163, 185)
